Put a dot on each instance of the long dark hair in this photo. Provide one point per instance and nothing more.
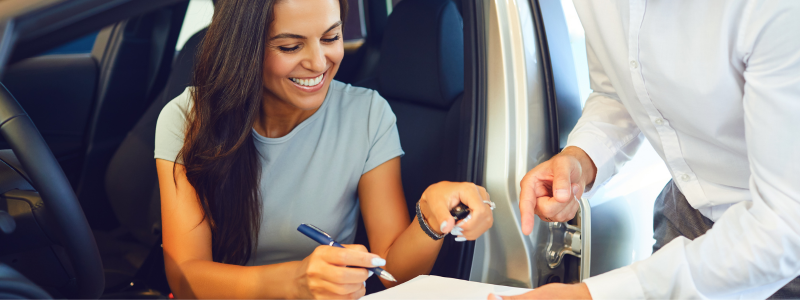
(219, 155)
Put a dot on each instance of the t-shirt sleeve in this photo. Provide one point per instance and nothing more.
(384, 140)
(170, 128)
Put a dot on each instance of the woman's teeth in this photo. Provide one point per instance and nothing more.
(308, 82)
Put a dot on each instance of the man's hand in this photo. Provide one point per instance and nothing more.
(552, 188)
(551, 291)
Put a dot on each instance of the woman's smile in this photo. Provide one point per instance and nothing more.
(309, 84)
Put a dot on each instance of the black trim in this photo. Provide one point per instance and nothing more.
(473, 109)
(165, 68)
(376, 16)
(48, 27)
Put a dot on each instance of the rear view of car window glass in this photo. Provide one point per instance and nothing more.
(81, 45)
(198, 17)
(577, 41)
(355, 25)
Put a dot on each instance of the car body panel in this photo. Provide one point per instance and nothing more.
(615, 221)
(516, 140)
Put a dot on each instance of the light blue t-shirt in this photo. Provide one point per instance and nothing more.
(310, 175)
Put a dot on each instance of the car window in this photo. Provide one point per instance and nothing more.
(198, 16)
(355, 25)
(83, 44)
(577, 42)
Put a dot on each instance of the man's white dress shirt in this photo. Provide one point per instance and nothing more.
(714, 85)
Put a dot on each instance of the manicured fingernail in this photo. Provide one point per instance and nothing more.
(561, 194)
(469, 216)
(456, 231)
(575, 190)
(496, 297)
(365, 284)
(378, 262)
(460, 239)
(370, 274)
(444, 224)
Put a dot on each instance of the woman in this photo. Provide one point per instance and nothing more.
(265, 140)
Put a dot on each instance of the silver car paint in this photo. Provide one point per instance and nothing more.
(618, 231)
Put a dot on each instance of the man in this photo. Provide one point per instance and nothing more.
(714, 86)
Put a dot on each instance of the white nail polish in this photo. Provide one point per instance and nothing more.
(378, 262)
(496, 297)
(365, 284)
(456, 230)
(370, 274)
(444, 224)
(460, 239)
(469, 216)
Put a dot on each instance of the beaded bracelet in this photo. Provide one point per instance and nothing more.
(427, 229)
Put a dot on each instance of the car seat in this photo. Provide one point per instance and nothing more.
(131, 180)
(421, 74)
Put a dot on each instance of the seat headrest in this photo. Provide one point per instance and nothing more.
(422, 54)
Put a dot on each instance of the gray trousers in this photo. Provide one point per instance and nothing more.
(674, 217)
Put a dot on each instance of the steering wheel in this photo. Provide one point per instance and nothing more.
(49, 180)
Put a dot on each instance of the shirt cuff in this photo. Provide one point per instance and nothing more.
(621, 283)
(602, 154)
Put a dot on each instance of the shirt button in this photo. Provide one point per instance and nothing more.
(685, 177)
(659, 121)
(634, 64)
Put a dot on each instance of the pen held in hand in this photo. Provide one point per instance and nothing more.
(324, 238)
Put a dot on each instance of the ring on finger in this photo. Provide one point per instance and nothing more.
(488, 202)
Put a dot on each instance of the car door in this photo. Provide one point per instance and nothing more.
(85, 95)
(536, 79)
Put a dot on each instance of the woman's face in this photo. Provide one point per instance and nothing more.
(304, 49)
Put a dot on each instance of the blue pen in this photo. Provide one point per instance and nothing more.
(324, 238)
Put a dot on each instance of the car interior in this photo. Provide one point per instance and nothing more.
(97, 112)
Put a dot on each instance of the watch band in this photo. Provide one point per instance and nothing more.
(427, 229)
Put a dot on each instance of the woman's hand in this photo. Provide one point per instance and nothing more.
(439, 198)
(324, 274)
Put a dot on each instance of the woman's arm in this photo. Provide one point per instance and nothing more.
(192, 273)
(408, 250)
(187, 249)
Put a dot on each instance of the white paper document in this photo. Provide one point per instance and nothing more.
(435, 287)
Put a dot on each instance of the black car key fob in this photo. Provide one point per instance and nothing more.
(459, 212)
